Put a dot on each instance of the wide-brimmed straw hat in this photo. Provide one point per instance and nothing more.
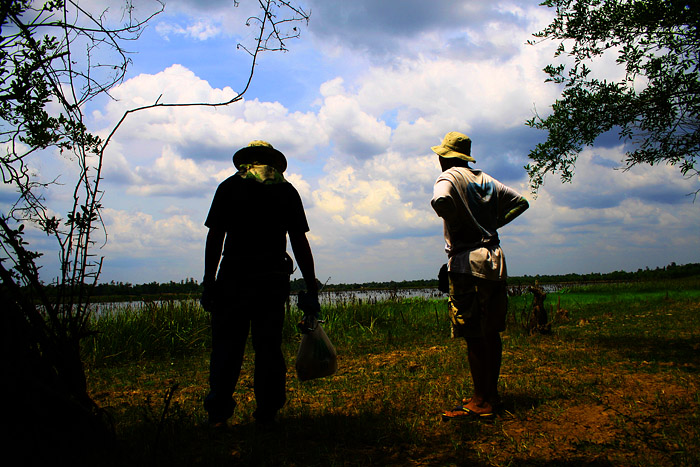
(455, 144)
(261, 152)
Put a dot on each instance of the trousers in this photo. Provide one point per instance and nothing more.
(247, 305)
(477, 307)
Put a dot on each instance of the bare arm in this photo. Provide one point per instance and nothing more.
(305, 260)
(520, 207)
(212, 253)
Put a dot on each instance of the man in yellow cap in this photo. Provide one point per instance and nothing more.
(473, 205)
(250, 217)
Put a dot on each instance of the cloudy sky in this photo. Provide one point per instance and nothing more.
(355, 105)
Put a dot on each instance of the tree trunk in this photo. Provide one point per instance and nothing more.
(48, 414)
(538, 322)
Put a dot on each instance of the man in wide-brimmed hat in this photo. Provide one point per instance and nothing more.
(473, 205)
(250, 217)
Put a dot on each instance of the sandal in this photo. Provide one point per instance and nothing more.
(496, 402)
(462, 413)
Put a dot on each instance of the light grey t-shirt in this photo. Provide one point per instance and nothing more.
(473, 205)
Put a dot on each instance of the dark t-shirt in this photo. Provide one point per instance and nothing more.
(256, 218)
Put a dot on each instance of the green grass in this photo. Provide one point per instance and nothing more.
(155, 330)
(616, 382)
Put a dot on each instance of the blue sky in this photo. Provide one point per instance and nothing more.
(355, 105)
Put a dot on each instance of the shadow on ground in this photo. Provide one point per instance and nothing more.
(677, 352)
(332, 439)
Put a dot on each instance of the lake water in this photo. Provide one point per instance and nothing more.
(346, 296)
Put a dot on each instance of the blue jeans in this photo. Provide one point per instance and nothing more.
(246, 305)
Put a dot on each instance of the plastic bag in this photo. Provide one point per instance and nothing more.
(316, 357)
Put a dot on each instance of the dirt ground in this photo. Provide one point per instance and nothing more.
(566, 401)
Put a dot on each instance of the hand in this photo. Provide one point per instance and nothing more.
(208, 298)
(309, 304)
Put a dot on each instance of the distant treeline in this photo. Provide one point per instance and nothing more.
(672, 271)
(188, 286)
(191, 287)
(123, 291)
(298, 284)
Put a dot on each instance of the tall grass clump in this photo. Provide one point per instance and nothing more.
(369, 323)
(171, 329)
(147, 331)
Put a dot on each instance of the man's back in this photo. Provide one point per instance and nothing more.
(256, 216)
(472, 204)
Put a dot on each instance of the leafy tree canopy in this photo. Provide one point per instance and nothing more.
(654, 107)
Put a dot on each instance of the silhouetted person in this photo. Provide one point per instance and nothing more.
(473, 205)
(250, 217)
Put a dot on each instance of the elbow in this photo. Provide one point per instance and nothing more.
(443, 206)
(524, 204)
(216, 235)
(297, 238)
